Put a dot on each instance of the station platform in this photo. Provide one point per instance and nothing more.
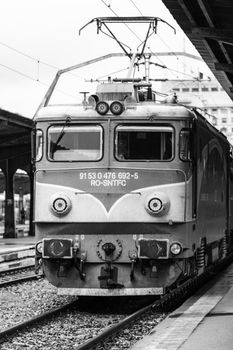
(204, 321)
(21, 242)
(14, 244)
(16, 252)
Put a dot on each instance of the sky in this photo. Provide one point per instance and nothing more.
(38, 37)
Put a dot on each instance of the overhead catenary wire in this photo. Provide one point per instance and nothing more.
(136, 7)
(178, 58)
(161, 39)
(159, 59)
(22, 74)
(109, 74)
(36, 60)
(40, 62)
(141, 41)
(32, 78)
(28, 56)
(132, 31)
(110, 8)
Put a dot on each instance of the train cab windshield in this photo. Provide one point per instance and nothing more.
(144, 143)
(75, 143)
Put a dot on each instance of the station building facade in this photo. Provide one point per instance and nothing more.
(209, 96)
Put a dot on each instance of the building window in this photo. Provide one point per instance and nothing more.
(204, 89)
(214, 110)
(185, 89)
(195, 89)
(214, 89)
(224, 130)
(176, 89)
(223, 111)
(224, 120)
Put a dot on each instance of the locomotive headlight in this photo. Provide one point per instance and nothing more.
(102, 107)
(61, 204)
(39, 247)
(157, 204)
(176, 248)
(116, 107)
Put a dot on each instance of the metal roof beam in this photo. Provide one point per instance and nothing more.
(205, 16)
(187, 12)
(10, 152)
(213, 33)
(224, 67)
(210, 18)
(13, 136)
(207, 11)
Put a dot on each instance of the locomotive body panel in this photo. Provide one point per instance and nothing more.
(212, 185)
(112, 204)
(133, 197)
(137, 218)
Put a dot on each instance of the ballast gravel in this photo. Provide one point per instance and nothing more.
(20, 302)
(63, 332)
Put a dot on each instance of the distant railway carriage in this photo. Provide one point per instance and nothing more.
(23, 202)
(132, 196)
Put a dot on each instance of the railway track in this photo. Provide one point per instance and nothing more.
(17, 266)
(34, 320)
(167, 303)
(106, 338)
(17, 275)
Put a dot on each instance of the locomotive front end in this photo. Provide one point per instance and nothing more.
(132, 196)
(112, 203)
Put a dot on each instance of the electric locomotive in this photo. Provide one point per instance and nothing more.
(132, 196)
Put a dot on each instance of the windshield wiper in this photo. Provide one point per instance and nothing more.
(60, 136)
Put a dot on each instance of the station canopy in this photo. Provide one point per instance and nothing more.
(15, 135)
(208, 24)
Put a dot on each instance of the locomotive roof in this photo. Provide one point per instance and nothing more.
(144, 110)
(140, 110)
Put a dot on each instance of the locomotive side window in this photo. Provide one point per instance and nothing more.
(39, 145)
(185, 153)
(142, 143)
(75, 143)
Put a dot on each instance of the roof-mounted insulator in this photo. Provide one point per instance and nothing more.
(171, 99)
(84, 102)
